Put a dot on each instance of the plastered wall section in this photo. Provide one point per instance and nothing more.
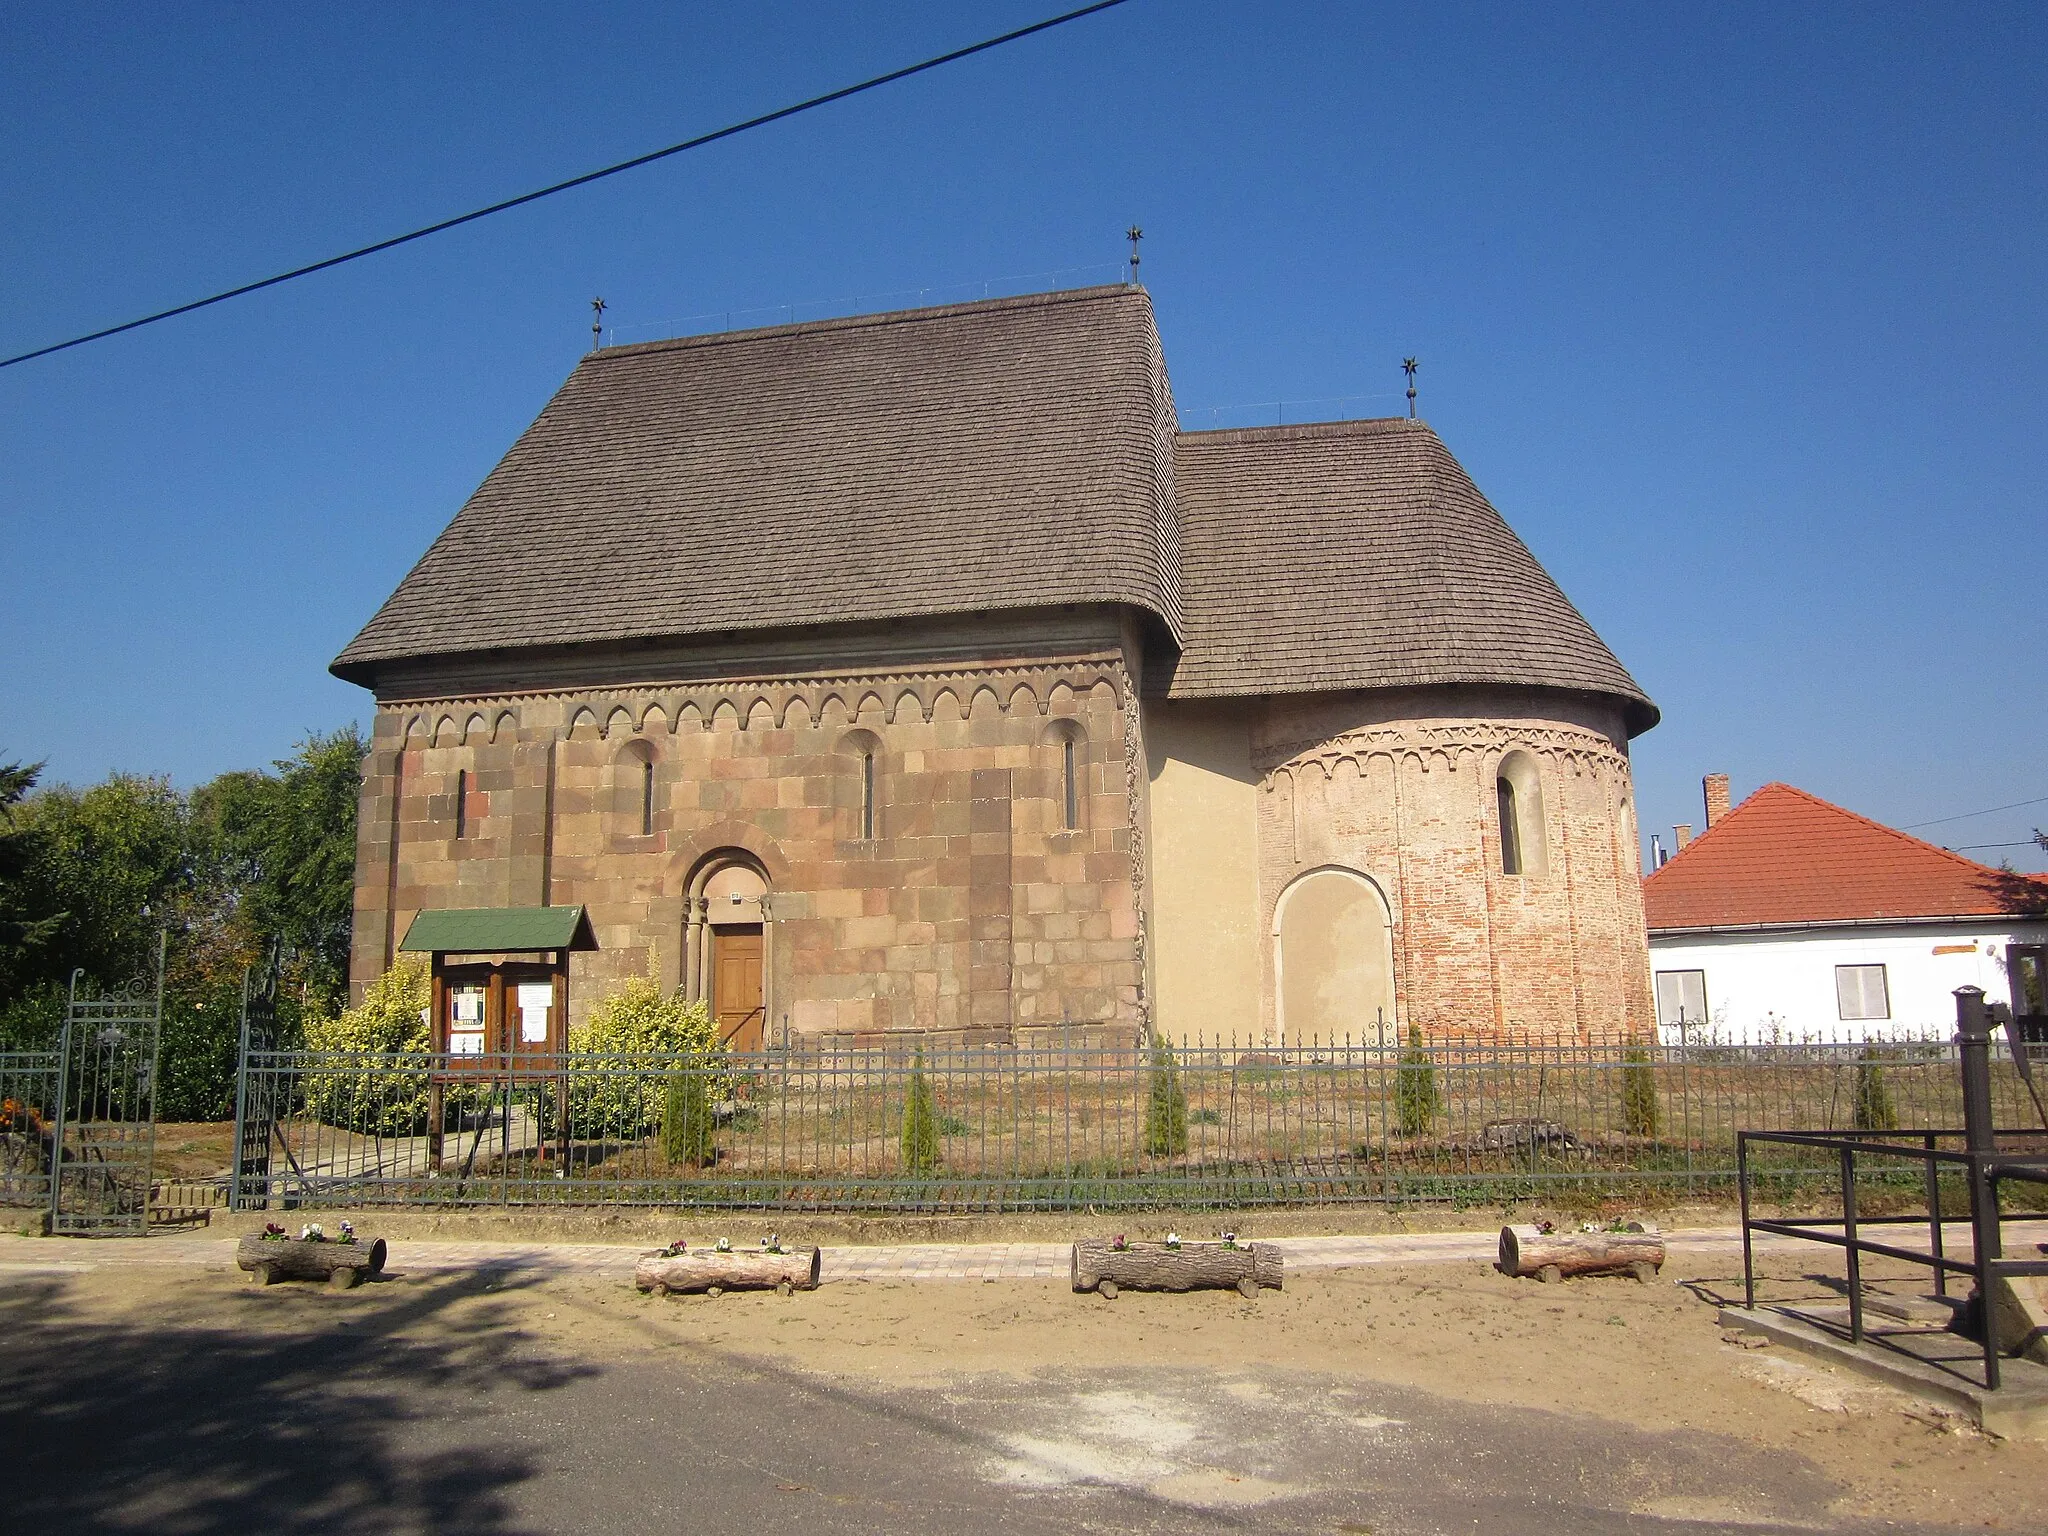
(973, 908)
(1204, 938)
(1780, 986)
(1399, 786)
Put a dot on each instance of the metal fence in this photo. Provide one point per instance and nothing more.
(987, 1128)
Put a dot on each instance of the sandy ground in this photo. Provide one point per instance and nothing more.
(1596, 1360)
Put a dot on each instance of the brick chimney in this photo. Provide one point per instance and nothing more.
(1684, 831)
(1716, 786)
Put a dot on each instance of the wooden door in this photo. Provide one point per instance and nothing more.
(736, 986)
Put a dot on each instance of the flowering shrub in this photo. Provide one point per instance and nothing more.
(391, 1020)
(640, 1020)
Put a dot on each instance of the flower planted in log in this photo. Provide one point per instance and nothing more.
(920, 1121)
(1166, 1107)
(1417, 1103)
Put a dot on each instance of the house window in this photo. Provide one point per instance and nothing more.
(647, 799)
(1681, 998)
(1860, 992)
(867, 796)
(1070, 788)
(462, 802)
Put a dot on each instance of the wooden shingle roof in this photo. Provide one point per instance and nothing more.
(1003, 455)
(1013, 453)
(1359, 554)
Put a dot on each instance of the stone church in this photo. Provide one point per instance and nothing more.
(915, 672)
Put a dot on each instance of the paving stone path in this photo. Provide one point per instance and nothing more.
(905, 1261)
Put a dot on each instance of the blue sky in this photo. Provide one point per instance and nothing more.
(1737, 313)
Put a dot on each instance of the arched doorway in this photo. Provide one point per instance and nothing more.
(727, 945)
(1333, 958)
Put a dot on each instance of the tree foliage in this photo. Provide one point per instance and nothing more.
(1640, 1115)
(1417, 1100)
(89, 878)
(920, 1139)
(1166, 1104)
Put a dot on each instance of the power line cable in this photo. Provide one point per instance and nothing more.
(577, 181)
(1966, 815)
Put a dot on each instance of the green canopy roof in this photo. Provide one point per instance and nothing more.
(494, 930)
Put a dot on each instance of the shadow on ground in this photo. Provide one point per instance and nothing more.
(169, 1428)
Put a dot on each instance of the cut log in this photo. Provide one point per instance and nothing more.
(746, 1269)
(342, 1265)
(1190, 1267)
(1553, 1255)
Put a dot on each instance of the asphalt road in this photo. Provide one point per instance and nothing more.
(181, 1428)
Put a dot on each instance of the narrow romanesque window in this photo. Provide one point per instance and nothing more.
(461, 802)
(647, 798)
(867, 795)
(1070, 790)
(1510, 828)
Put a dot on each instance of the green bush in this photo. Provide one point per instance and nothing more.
(1417, 1101)
(687, 1122)
(1874, 1108)
(1639, 1113)
(640, 1020)
(1166, 1107)
(380, 1098)
(920, 1121)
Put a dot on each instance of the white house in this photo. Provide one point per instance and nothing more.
(1792, 918)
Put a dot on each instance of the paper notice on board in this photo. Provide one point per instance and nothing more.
(535, 999)
(469, 1006)
(466, 1043)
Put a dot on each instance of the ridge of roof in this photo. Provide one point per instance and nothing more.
(1303, 431)
(869, 320)
(1706, 884)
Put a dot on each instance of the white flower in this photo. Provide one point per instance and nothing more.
(311, 1233)
(725, 1245)
(1173, 1239)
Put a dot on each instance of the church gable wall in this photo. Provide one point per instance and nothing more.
(940, 889)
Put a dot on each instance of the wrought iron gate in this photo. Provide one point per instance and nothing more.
(255, 1094)
(105, 1133)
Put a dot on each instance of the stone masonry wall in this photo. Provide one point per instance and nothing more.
(1399, 786)
(971, 909)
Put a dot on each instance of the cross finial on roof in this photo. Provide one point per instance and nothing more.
(597, 309)
(1408, 367)
(1134, 235)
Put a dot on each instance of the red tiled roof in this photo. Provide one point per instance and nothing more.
(1784, 856)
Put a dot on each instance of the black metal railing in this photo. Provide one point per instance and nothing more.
(1981, 1157)
(1051, 1126)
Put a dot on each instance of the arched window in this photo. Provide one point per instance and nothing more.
(1510, 828)
(1518, 800)
(631, 796)
(1063, 774)
(865, 748)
